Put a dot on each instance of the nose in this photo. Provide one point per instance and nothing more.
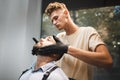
(41, 40)
(54, 22)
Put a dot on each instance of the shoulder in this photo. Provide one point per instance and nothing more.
(58, 74)
(88, 28)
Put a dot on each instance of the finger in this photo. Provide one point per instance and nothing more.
(56, 39)
(35, 40)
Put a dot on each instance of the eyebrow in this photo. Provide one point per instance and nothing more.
(49, 37)
(53, 18)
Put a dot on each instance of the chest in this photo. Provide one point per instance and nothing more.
(29, 75)
(79, 41)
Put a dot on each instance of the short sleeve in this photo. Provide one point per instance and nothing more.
(94, 40)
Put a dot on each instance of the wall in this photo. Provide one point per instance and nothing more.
(19, 22)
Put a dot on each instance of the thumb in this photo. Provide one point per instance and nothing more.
(35, 40)
(56, 39)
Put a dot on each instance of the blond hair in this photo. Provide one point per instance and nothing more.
(54, 6)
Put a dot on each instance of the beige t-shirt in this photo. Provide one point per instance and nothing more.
(85, 38)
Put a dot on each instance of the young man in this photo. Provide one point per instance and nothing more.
(44, 64)
(85, 49)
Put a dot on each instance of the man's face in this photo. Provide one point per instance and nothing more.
(58, 18)
(45, 41)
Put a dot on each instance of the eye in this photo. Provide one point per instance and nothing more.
(48, 38)
(54, 18)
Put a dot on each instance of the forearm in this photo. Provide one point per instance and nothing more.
(98, 58)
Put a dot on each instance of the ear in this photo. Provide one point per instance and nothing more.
(66, 12)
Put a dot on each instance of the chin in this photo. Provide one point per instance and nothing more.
(60, 29)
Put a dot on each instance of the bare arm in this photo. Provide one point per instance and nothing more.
(101, 57)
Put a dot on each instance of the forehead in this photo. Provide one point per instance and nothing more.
(50, 38)
(56, 13)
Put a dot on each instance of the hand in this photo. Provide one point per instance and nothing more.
(58, 48)
(35, 40)
(35, 49)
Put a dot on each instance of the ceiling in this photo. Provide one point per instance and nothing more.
(82, 4)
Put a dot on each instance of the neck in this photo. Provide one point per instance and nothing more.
(41, 60)
(71, 27)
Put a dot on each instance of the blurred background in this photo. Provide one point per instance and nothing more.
(21, 20)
